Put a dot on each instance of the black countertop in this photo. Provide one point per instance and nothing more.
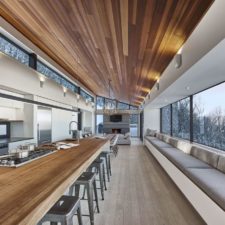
(14, 139)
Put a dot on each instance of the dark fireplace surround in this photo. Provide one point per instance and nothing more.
(116, 131)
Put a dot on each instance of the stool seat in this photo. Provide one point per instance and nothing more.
(85, 177)
(63, 211)
(98, 161)
(64, 205)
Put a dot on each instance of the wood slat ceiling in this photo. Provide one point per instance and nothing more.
(130, 42)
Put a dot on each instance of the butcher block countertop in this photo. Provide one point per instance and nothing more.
(28, 192)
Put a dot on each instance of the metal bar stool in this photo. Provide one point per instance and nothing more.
(63, 211)
(106, 156)
(98, 165)
(114, 149)
(88, 180)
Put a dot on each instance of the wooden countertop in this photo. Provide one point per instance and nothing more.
(28, 192)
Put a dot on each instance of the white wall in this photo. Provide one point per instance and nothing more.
(22, 79)
(60, 124)
(151, 119)
(87, 119)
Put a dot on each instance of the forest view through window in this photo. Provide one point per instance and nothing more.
(181, 118)
(209, 117)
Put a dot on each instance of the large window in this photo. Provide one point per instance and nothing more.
(53, 75)
(121, 105)
(100, 102)
(106, 103)
(133, 107)
(181, 118)
(209, 117)
(85, 95)
(134, 125)
(11, 49)
(199, 118)
(166, 119)
(110, 103)
(99, 124)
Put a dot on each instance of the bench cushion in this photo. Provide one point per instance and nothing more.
(160, 144)
(205, 155)
(211, 181)
(183, 160)
(149, 138)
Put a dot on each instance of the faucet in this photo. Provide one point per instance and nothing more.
(71, 131)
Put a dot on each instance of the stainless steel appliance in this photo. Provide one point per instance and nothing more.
(16, 160)
(4, 149)
(44, 125)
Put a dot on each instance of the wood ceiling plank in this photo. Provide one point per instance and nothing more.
(124, 25)
(130, 42)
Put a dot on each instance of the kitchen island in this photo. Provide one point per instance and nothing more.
(28, 192)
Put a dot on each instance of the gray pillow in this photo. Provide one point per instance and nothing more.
(152, 133)
(221, 163)
(148, 131)
(205, 155)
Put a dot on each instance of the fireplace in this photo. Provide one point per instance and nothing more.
(116, 131)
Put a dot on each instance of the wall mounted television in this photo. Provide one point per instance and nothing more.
(115, 118)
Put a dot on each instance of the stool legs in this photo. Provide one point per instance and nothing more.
(77, 189)
(79, 216)
(110, 170)
(101, 179)
(107, 167)
(90, 203)
(96, 195)
(103, 176)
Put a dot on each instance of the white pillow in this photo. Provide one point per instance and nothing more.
(127, 135)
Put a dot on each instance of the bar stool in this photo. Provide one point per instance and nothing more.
(114, 149)
(63, 211)
(88, 180)
(106, 156)
(98, 165)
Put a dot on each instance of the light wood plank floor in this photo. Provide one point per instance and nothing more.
(141, 193)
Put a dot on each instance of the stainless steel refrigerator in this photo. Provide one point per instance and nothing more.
(44, 125)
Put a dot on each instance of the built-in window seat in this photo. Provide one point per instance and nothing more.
(199, 173)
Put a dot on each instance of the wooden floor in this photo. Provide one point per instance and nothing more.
(141, 193)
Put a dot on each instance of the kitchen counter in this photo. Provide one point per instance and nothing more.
(28, 192)
(14, 139)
